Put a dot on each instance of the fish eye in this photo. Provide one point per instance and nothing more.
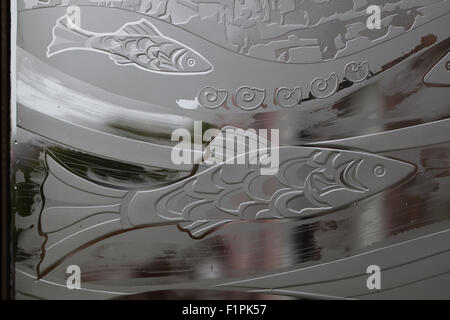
(379, 171)
(191, 62)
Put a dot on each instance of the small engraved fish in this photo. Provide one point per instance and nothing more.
(137, 43)
(310, 181)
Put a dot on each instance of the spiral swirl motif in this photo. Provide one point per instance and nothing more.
(212, 98)
(357, 72)
(287, 98)
(323, 88)
(248, 98)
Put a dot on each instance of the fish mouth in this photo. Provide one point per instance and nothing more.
(208, 64)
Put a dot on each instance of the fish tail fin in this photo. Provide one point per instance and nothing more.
(201, 228)
(66, 36)
(75, 214)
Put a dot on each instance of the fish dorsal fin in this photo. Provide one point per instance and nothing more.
(200, 228)
(142, 27)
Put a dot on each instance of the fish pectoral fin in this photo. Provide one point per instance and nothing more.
(119, 59)
(200, 228)
(142, 27)
(164, 58)
(166, 62)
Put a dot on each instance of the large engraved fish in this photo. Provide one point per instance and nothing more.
(310, 181)
(138, 43)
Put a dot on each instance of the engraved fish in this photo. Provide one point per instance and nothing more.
(310, 181)
(137, 43)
